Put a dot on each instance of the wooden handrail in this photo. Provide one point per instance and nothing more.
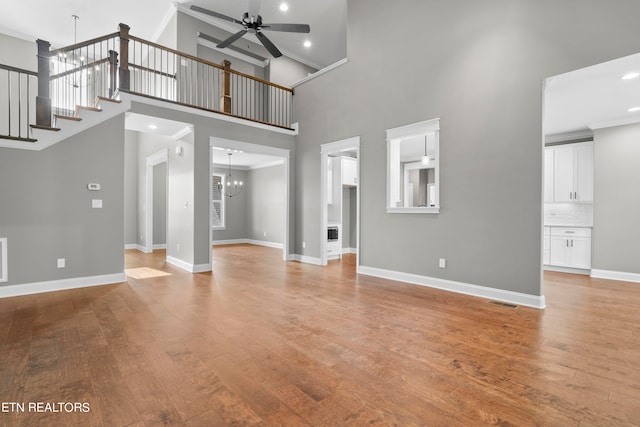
(80, 68)
(150, 70)
(83, 44)
(18, 70)
(212, 64)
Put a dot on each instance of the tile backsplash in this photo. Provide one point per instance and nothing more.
(577, 214)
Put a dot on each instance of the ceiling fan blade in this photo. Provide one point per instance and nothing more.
(273, 50)
(254, 8)
(231, 39)
(214, 14)
(291, 28)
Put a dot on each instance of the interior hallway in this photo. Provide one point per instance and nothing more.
(266, 341)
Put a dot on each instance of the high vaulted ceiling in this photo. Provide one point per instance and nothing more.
(52, 20)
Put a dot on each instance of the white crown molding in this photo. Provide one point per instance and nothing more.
(173, 9)
(612, 123)
(320, 72)
(457, 287)
(182, 133)
(615, 275)
(266, 165)
(572, 136)
(413, 129)
(60, 285)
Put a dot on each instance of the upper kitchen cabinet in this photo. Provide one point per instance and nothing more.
(349, 172)
(572, 173)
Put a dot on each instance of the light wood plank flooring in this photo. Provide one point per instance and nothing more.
(265, 342)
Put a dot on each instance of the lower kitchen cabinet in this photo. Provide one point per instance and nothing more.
(570, 247)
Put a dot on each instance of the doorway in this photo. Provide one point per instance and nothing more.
(249, 188)
(340, 199)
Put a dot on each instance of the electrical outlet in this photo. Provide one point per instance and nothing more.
(61, 262)
(265, 234)
(442, 263)
(304, 245)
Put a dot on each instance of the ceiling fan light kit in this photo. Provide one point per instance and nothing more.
(252, 23)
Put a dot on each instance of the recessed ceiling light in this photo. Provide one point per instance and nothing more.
(284, 7)
(634, 109)
(153, 127)
(630, 76)
(307, 43)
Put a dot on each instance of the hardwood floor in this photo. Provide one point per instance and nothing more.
(262, 341)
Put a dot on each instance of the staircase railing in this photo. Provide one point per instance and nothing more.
(119, 62)
(82, 72)
(17, 87)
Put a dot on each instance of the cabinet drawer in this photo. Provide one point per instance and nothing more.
(570, 232)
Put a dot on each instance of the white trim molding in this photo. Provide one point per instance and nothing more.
(615, 275)
(457, 287)
(159, 246)
(304, 259)
(191, 268)
(320, 72)
(349, 251)
(128, 246)
(61, 285)
(4, 276)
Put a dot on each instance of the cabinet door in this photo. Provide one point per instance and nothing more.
(558, 251)
(349, 171)
(563, 187)
(579, 252)
(583, 172)
(548, 175)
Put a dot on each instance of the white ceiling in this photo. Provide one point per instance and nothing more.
(242, 159)
(52, 21)
(155, 125)
(592, 97)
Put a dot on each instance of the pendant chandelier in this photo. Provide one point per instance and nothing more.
(232, 187)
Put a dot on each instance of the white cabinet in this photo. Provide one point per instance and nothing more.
(572, 173)
(349, 171)
(570, 247)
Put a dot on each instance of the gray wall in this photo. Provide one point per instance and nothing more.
(130, 187)
(204, 128)
(479, 67)
(46, 209)
(179, 193)
(286, 71)
(236, 210)
(160, 204)
(266, 204)
(616, 207)
(349, 217)
(18, 53)
(169, 35)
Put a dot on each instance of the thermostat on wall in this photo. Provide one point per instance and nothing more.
(93, 187)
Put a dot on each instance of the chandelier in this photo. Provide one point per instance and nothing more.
(232, 187)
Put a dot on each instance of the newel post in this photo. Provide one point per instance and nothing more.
(43, 100)
(124, 57)
(225, 99)
(113, 72)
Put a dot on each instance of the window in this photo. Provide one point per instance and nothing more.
(217, 202)
(413, 175)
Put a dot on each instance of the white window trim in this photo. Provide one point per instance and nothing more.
(223, 205)
(396, 134)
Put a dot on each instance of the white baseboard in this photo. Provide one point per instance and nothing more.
(228, 242)
(130, 246)
(247, 242)
(570, 270)
(349, 251)
(615, 275)
(61, 285)
(305, 259)
(160, 246)
(264, 243)
(191, 268)
(458, 287)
